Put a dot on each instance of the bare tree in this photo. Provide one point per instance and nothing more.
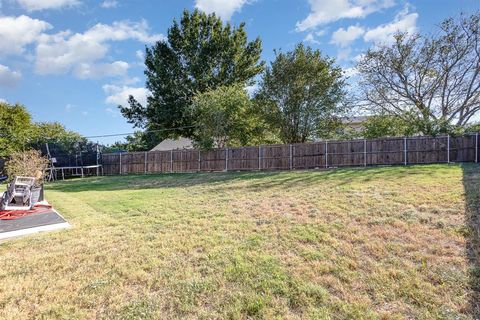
(435, 77)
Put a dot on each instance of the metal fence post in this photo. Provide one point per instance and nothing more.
(405, 150)
(364, 152)
(199, 161)
(448, 149)
(120, 166)
(226, 159)
(476, 147)
(259, 157)
(326, 154)
(97, 158)
(146, 156)
(171, 160)
(291, 157)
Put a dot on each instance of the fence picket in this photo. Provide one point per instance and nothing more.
(326, 154)
(291, 157)
(146, 156)
(259, 157)
(476, 147)
(364, 152)
(120, 165)
(226, 159)
(448, 149)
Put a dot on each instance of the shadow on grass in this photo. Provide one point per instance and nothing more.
(258, 180)
(471, 182)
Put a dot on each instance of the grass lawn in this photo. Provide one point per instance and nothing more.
(378, 243)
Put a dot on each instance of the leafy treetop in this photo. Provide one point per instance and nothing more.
(200, 53)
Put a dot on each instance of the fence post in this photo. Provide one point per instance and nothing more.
(120, 166)
(405, 150)
(146, 156)
(448, 149)
(171, 161)
(199, 161)
(259, 157)
(364, 152)
(326, 154)
(97, 157)
(226, 159)
(476, 147)
(291, 157)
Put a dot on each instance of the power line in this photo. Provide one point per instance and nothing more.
(7, 135)
(129, 133)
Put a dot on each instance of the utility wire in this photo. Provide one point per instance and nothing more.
(129, 133)
(6, 135)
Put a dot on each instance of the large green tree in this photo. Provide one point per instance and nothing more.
(15, 128)
(60, 139)
(18, 132)
(199, 54)
(301, 95)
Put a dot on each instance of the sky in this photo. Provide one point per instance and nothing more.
(75, 61)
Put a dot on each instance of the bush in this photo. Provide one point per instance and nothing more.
(225, 118)
(28, 163)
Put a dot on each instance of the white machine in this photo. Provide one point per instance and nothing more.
(18, 195)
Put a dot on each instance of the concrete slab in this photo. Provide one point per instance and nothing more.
(32, 223)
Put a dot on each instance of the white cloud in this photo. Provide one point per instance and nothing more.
(343, 37)
(344, 54)
(140, 55)
(326, 11)
(129, 81)
(18, 32)
(113, 113)
(350, 72)
(108, 4)
(118, 95)
(8, 77)
(69, 107)
(100, 70)
(140, 58)
(321, 32)
(404, 22)
(36, 5)
(358, 57)
(310, 38)
(3, 100)
(223, 8)
(81, 53)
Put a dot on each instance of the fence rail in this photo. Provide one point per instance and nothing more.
(324, 154)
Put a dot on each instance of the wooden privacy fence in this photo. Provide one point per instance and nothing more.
(324, 154)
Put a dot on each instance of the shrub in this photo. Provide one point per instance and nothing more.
(28, 163)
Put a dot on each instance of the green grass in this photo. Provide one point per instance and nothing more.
(378, 243)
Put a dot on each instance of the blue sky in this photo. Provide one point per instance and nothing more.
(74, 61)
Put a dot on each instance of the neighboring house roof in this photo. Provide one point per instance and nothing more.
(355, 123)
(354, 120)
(174, 144)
